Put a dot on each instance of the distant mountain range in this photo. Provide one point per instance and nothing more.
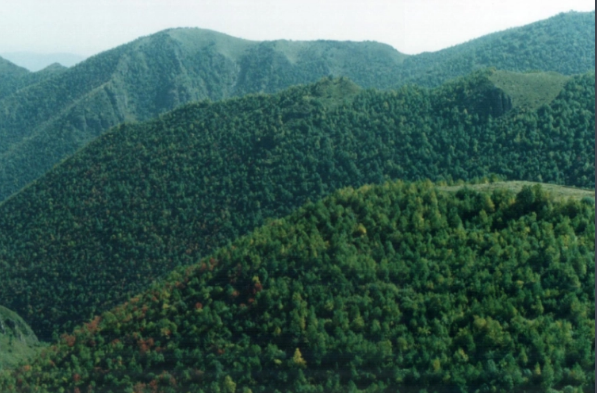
(38, 61)
(46, 117)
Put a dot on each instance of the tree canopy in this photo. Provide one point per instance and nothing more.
(398, 287)
(146, 198)
(55, 112)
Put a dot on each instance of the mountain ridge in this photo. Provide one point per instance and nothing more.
(154, 74)
(35, 62)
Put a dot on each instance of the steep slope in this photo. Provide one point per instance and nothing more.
(42, 125)
(145, 198)
(18, 343)
(564, 44)
(391, 288)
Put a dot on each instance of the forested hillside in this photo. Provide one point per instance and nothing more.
(49, 121)
(9, 77)
(34, 78)
(143, 199)
(13, 78)
(563, 44)
(388, 288)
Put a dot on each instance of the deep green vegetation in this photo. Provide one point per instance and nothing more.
(393, 288)
(18, 343)
(143, 199)
(48, 121)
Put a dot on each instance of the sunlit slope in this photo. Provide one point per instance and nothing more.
(146, 198)
(399, 287)
(47, 122)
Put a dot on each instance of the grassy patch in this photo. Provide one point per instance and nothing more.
(530, 90)
(558, 192)
(18, 343)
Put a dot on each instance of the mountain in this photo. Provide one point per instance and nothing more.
(564, 44)
(38, 61)
(145, 198)
(47, 122)
(9, 76)
(18, 343)
(14, 78)
(398, 287)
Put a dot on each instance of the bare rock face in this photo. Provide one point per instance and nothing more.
(18, 343)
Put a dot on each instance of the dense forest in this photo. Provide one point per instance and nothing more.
(53, 114)
(48, 121)
(145, 198)
(193, 212)
(391, 288)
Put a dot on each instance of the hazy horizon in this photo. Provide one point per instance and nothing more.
(410, 26)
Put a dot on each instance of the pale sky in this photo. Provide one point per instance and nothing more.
(88, 27)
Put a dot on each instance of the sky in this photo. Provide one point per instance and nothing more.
(87, 27)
